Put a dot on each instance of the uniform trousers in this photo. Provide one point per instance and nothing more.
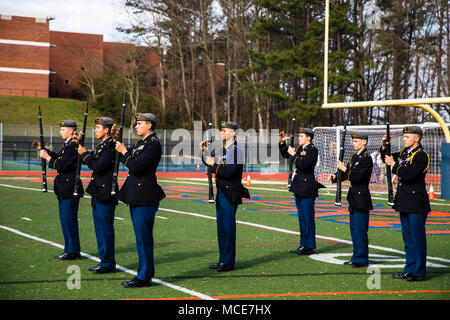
(143, 218)
(306, 213)
(68, 217)
(359, 226)
(226, 228)
(414, 238)
(103, 215)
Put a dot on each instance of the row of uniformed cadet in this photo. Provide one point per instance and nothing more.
(411, 200)
(142, 193)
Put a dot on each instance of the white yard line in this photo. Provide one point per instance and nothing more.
(326, 193)
(260, 226)
(132, 272)
(285, 231)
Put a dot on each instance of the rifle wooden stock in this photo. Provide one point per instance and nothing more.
(81, 143)
(291, 163)
(43, 162)
(119, 138)
(339, 173)
(388, 168)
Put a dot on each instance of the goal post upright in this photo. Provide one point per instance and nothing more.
(422, 103)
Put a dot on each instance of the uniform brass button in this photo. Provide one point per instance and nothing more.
(139, 184)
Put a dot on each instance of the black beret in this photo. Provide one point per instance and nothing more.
(230, 125)
(105, 121)
(413, 129)
(68, 123)
(145, 117)
(307, 131)
(360, 135)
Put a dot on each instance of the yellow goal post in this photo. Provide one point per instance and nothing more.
(422, 103)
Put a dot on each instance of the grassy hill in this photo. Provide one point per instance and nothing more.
(24, 110)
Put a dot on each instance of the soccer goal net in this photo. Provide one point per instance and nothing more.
(327, 140)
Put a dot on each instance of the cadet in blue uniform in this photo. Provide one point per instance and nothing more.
(142, 193)
(304, 186)
(101, 162)
(411, 200)
(65, 162)
(230, 191)
(358, 171)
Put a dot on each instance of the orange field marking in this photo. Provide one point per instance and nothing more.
(305, 294)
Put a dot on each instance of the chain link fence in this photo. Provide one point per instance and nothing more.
(181, 151)
(16, 153)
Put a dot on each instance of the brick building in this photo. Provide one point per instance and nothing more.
(24, 54)
(35, 61)
(75, 58)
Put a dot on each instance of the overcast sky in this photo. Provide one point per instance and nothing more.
(85, 16)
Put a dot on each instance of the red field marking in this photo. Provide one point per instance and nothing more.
(439, 214)
(300, 294)
(328, 293)
(395, 223)
(438, 232)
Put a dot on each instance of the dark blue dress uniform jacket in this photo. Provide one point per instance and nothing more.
(304, 183)
(65, 162)
(141, 187)
(228, 173)
(359, 171)
(411, 169)
(101, 162)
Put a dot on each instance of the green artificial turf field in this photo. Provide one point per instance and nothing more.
(186, 243)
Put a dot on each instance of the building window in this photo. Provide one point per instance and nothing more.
(154, 82)
(66, 81)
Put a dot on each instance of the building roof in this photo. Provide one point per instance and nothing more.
(27, 14)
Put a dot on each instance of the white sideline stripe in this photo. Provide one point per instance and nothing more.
(132, 272)
(261, 226)
(286, 190)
